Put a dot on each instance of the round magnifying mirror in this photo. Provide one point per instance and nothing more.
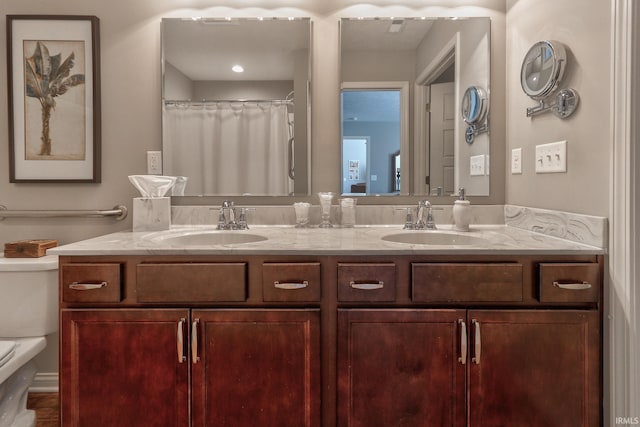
(543, 68)
(474, 105)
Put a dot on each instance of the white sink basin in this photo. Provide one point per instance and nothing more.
(210, 238)
(433, 238)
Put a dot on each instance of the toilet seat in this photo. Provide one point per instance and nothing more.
(7, 350)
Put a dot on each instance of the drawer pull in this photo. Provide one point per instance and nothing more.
(463, 342)
(194, 342)
(77, 286)
(478, 342)
(291, 285)
(573, 286)
(181, 357)
(367, 286)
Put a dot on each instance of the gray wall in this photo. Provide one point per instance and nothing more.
(585, 28)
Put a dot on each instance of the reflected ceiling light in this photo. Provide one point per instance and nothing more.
(237, 69)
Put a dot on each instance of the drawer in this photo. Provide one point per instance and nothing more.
(466, 282)
(91, 282)
(291, 282)
(363, 282)
(569, 282)
(192, 282)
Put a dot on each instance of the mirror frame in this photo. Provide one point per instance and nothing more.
(558, 58)
(450, 52)
(474, 105)
(306, 157)
(497, 168)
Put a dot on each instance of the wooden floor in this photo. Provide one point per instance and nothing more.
(47, 407)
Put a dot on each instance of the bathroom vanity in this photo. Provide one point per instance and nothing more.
(312, 327)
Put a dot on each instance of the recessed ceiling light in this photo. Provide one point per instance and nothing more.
(237, 69)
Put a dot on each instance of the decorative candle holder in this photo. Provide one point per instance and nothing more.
(325, 209)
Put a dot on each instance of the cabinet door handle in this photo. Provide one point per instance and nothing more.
(573, 286)
(367, 286)
(181, 357)
(77, 286)
(194, 341)
(463, 342)
(477, 343)
(291, 285)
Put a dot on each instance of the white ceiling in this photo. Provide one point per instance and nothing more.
(207, 48)
(375, 33)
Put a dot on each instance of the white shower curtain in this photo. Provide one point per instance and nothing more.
(228, 148)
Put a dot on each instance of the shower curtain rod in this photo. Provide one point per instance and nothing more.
(226, 101)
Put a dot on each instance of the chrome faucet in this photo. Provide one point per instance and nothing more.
(421, 223)
(424, 208)
(227, 216)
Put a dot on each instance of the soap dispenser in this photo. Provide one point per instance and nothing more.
(461, 212)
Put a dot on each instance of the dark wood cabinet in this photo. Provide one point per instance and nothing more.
(121, 368)
(327, 340)
(256, 368)
(534, 368)
(523, 368)
(247, 367)
(400, 368)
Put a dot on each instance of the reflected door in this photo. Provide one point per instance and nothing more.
(442, 147)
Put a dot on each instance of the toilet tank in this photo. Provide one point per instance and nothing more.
(28, 296)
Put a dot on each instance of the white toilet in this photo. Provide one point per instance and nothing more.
(28, 312)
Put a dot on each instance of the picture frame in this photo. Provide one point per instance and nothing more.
(53, 73)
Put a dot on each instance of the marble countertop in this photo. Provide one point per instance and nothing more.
(360, 240)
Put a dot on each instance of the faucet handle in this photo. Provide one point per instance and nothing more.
(221, 220)
(242, 218)
(408, 221)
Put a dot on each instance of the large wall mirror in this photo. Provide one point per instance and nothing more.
(402, 129)
(235, 105)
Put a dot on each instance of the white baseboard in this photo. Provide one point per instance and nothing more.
(45, 382)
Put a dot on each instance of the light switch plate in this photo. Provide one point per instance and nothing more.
(516, 161)
(552, 157)
(477, 165)
(154, 162)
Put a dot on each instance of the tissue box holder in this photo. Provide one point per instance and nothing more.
(151, 213)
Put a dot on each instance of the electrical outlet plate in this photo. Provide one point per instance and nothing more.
(154, 162)
(477, 165)
(516, 161)
(552, 157)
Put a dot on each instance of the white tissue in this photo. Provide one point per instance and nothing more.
(152, 185)
(179, 186)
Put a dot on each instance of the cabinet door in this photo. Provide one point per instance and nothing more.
(256, 368)
(122, 368)
(401, 368)
(534, 368)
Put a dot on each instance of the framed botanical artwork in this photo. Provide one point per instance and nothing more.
(54, 98)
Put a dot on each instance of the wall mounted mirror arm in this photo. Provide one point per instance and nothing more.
(542, 71)
(566, 101)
